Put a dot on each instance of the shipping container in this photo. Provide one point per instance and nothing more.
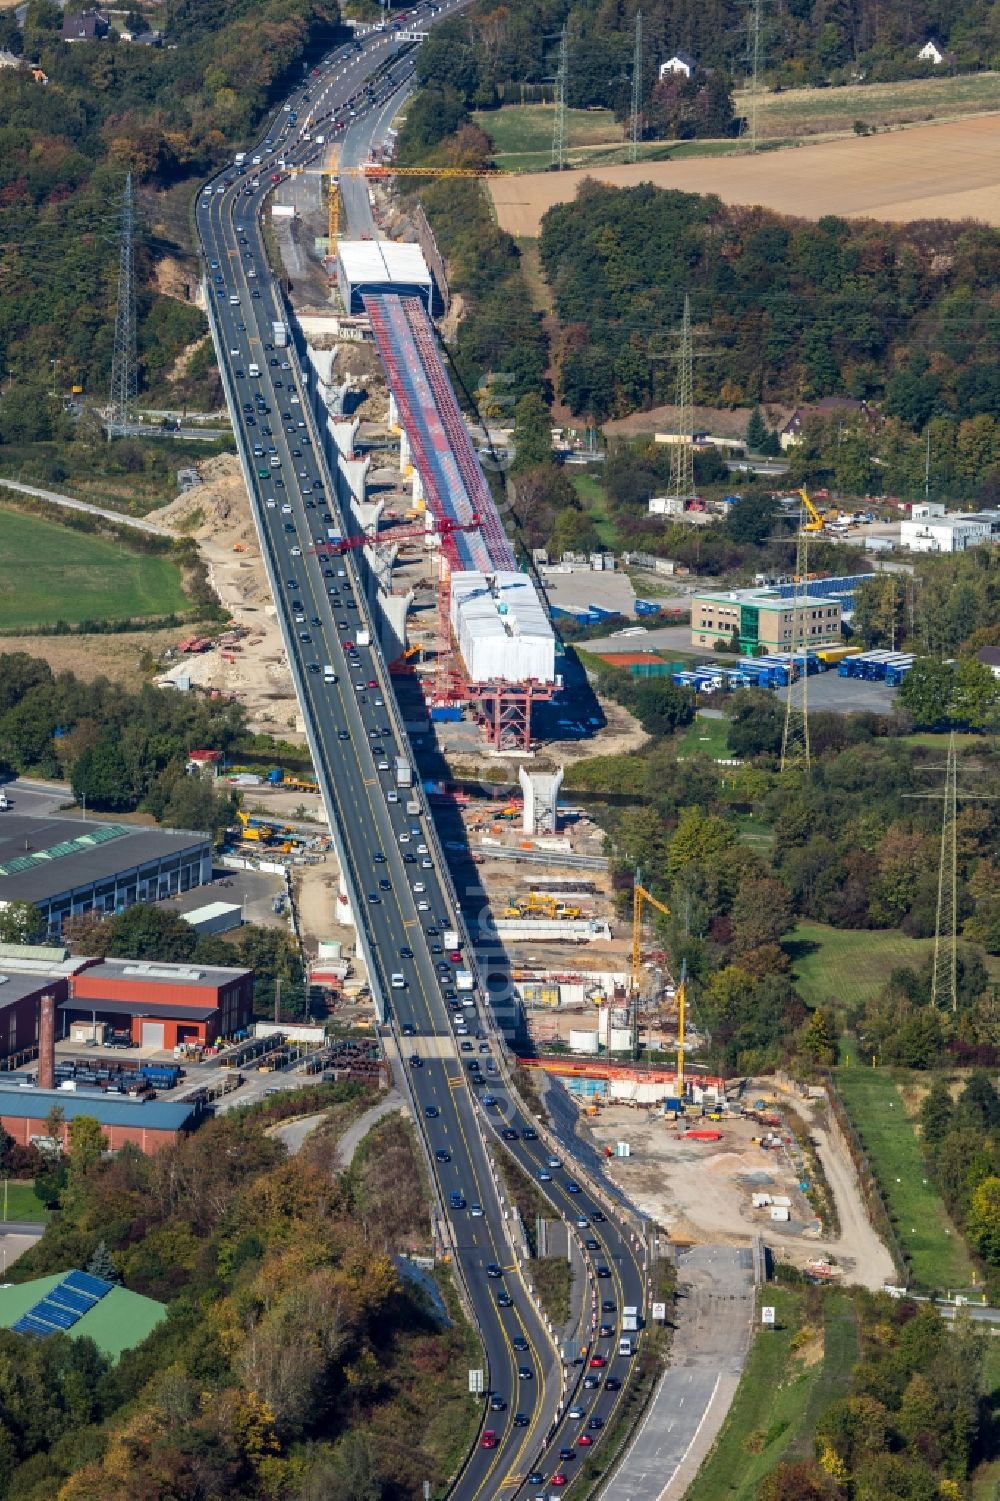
(446, 714)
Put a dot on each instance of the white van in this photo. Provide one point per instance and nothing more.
(254, 369)
(329, 676)
(398, 982)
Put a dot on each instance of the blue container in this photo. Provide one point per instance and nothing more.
(646, 607)
(276, 776)
(446, 714)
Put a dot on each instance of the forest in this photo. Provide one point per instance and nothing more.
(295, 1361)
(166, 114)
(782, 310)
(120, 750)
(490, 52)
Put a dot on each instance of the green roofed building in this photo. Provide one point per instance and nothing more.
(76, 1303)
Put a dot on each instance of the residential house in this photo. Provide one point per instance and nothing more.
(680, 62)
(791, 433)
(931, 52)
(990, 657)
(87, 26)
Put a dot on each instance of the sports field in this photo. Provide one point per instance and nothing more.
(50, 573)
(848, 966)
(947, 171)
(875, 1105)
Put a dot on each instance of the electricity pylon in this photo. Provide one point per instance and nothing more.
(682, 451)
(944, 979)
(795, 752)
(559, 124)
(636, 123)
(753, 48)
(123, 362)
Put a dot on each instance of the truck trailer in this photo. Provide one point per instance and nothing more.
(280, 334)
(404, 772)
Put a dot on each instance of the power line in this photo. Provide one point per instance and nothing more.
(753, 49)
(944, 978)
(559, 124)
(795, 750)
(682, 452)
(123, 363)
(633, 149)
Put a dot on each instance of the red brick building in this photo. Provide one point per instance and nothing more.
(148, 1124)
(161, 1005)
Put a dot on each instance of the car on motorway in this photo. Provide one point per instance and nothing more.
(591, 1383)
(557, 1479)
(603, 1271)
(612, 1384)
(521, 1420)
(543, 1176)
(595, 1423)
(608, 1305)
(493, 1270)
(373, 899)
(431, 1112)
(585, 1441)
(343, 734)
(530, 1134)
(509, 1134)
(597, 1217)
(456, 1199)
(572, 1188)
(476, 1210)
(504, 1300)
(597, 1362)
(592, 1244)
(524, 1373)
(497, 1403)
(441, 1155)
(535, 1477)
(606, 1331)
(520, 1343)
(488, 1440)
(567, 1454)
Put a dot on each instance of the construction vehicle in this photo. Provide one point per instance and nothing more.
(816, 522)
(538, 905)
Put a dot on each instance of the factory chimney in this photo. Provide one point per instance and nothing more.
(47, 1043)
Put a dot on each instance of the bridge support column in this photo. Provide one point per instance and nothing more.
(390, 611)
(345, 912)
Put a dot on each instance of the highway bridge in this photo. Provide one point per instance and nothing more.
(393, 868)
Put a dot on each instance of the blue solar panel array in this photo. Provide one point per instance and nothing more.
(823, 588)
(68, 1301)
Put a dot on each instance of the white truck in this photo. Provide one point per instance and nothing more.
(4, 802)
(239, 158)
(449, 939)
(404, 772)
(464, 980)
(630, 1318)
(364, 637)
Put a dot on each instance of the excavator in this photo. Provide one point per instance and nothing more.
(538, 905)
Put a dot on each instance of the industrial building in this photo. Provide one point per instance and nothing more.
(366, 266)
(772, 618)
(161, 1005)
(25, 1114)
(68, 866)
(930, 528)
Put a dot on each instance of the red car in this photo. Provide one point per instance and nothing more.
(488, 1440)
(558, 1478)
(597, 1361)
(585, 1440)
(455, 957)
(348, 645)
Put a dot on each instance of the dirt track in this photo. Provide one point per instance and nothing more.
(947, 171)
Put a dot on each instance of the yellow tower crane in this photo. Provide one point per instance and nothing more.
(377, 172)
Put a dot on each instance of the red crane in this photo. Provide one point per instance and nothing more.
(443, 527)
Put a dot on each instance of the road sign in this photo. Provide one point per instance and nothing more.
(476, 1383)
(767, 1316)
(660, 1311)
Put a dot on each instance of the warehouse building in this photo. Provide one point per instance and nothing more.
(162, 1006)
(68, 866)
(381, 266)
(150, 1125)
(930, 528)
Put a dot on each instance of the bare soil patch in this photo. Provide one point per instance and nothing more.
(945, 171)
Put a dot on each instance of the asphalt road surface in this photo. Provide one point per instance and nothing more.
(402, 894)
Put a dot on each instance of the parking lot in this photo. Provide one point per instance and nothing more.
(837, 695)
